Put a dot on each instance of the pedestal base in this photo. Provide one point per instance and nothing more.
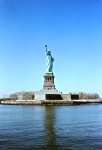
(46, 94)
(49, 81)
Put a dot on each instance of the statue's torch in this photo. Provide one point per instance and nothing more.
(46, 48)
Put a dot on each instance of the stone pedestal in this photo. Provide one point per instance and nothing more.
(49, 92)
(49, 81)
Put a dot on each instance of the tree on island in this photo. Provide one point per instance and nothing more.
(83, 95)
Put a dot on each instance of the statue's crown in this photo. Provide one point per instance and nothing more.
(49, 52)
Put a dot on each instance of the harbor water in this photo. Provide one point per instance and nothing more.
(51, 127)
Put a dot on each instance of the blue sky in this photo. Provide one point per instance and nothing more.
(72, 29)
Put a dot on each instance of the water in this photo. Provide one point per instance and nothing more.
(51, 127)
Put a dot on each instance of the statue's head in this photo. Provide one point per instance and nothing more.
(49, 52)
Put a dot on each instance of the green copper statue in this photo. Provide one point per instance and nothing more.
(49, 61)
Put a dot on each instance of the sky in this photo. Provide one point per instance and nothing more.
(72, 29)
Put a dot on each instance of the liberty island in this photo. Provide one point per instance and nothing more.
(49, 95)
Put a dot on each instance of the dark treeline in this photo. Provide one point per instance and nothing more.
(83, 95)
(14, 96)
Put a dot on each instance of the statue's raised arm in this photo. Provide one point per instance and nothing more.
(46, 48)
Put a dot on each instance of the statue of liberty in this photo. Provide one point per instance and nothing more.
(49, 61)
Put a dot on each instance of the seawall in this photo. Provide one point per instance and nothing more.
(33, 102)
(51, 102)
